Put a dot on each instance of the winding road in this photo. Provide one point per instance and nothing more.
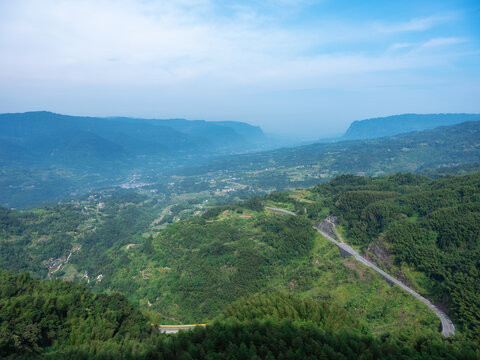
(448, 329)
(171, 329)
(282, 211)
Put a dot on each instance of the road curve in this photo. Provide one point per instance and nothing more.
(282, 211)
(448, 329)
(170, 329)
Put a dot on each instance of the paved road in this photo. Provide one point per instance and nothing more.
(280, 210)
(170, 329)
(448, 329)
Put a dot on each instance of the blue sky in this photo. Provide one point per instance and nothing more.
(300, 67)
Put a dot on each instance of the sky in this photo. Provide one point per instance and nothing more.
(303, 68)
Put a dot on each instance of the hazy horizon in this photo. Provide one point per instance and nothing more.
(300, 67)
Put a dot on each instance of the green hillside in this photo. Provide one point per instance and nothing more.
(425, 232)
(410, 223)
(195, 268)
(59, 316)
(58, 320)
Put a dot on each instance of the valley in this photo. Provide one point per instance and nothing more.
(450, 149)
(195, 244)
(123, 246)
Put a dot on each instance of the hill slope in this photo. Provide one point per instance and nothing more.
(423, 231)
(56, 320)
(399, 124)
(193, 269)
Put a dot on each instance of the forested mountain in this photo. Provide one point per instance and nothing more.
(193, 269)
(215, 131)
(60, 315)
(399, 124)
(39, 138)
(177, 258)
(423, 231)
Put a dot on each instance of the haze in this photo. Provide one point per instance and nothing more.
(306, 68)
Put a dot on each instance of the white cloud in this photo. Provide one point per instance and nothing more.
(443, 41)
(428, 45)
(400, 46)
(416, 24)
(172, 42)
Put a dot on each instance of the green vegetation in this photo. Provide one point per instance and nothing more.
(58, 320)
(432, 226)
(40, 241)
(194, 268)
(59, 315)
(90, 232)
(276, 306)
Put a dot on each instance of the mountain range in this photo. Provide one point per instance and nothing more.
(415, 151)
(48, 139)
(47, 157)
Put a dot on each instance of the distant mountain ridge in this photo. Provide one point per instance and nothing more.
(399, 124)
(46, 156)
(444, 146)
(53, 139)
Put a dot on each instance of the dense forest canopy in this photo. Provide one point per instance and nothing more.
(60, 320)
